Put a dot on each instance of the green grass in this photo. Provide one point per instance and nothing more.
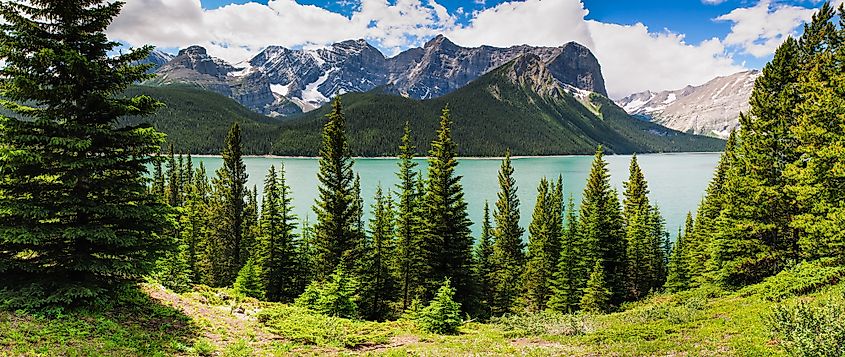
(206, 322)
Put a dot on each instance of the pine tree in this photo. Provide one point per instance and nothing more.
(337, 235)
(77, 217)
(252, 227)
(248, 282)
(543, 246)
(337, 295)
(173, 270)
(409, 231)
(188, 174)
(597, 296)
(277, 250)
(174, 182)
(661, 247)
(448, 243)
(508, 248)
(642, 237)
(379, 288)
(196, 226)
(230, 194)
(635, 200)
(601, 230)
(158, 183)
(443, 314)
(678, 278)
(753, 237)
(484, 265)
(816, 178)
(568, 278)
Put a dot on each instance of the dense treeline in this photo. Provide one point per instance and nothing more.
(776, 198)
(597, 256)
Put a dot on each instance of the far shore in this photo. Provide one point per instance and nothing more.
(460, 157)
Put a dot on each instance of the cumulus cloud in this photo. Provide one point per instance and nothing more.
(633, 57)
(760, 29)
(712, 2)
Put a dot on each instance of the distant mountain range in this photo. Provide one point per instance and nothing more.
(522, 105)
(709, 109)
(280, 81)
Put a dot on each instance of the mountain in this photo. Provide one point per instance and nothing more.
(709, 109)
(278, 79)
(519, 106)
(194, 66)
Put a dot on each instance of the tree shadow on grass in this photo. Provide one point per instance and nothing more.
(133, 325)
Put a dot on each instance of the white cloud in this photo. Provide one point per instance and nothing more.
(633, 57)
(712, 2)
(760, 29)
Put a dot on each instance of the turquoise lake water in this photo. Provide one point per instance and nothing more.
(676, 181)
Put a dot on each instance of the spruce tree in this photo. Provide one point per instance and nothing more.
(379, 288)
(174, 181)
(484, 265)
(228, 212)
(642, 236)
(173, 270)
(753, 236)
(76, 217)
(568, 278)
(543, 246)
(277, 250)
(597, 296)
(678, 278)
(248, 281)
(410, 261)
(158, 182)
(816, 179)
(448, 243)
(252, 227)
(601, 229)
(337, 235)
(508, 248)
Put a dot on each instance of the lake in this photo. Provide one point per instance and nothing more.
(677, 181)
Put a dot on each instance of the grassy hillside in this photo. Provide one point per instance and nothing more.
(491, 115)
(807, 302)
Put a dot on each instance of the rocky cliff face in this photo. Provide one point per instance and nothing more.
(157, 59)
(709, 109)
(278, 76)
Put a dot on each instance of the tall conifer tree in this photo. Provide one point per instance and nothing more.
(229, 204)
(508, 248)
(569, 275)
(378, 284)
(76, 215)
(484, 265)
(337, 236)
(448, 242)
(543, 246)
(410, 261)
(277, 251)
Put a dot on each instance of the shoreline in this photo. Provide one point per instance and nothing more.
(462, 157)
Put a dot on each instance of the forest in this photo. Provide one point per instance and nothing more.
(86, 230)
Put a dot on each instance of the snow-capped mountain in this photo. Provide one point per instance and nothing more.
(278, 77)
(157, 59)
(709, 109)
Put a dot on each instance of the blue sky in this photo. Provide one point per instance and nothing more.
(640, 44)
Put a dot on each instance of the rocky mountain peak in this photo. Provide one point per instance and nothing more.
(577, 66)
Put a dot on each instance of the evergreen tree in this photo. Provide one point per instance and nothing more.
(643, 236)
(173, 270)
(248, 282)
(226, 255)
(410, 261)
(77, 219)
(601, 231)
(484, 265)
(337, 235)
(753, 236)
(678, 278)
(337, 295)
(188, 174)
(816, 179)
(568, 278)
(448, 243)
(661, 248)
(508, 249)
(635, 200)
(158, 183)
(543, 246)
(252, 227)
(196, 226)
(443, 314)
(597, 296)
(277, 250)
(174, 181)
(379, 288)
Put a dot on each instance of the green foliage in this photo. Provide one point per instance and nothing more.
(679, 266)
(77, 220)
(378, 283)
(644, 233)
(337, 234)
(484, 266)
(203, 347)
(410, 261)
(448, 243)
(544, 245)
(278, 253)
(443, 313)
(544, 323)
(807, 329)
(173, 270)
(333, 297)
(248, 281)
(304, 326)
(568, 277)
(803, 278)
(597, 296)
(508, 250)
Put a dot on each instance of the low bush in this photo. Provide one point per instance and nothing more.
(811, 330)
(304, 326)
(802, 279)
(547, 323)
(443, 314)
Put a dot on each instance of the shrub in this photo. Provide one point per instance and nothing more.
(443, 314)
(203, 347)
(301, 325)
(334, 297)
(802, 279)
(247, 282)
(807, 330)
(549, 323)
